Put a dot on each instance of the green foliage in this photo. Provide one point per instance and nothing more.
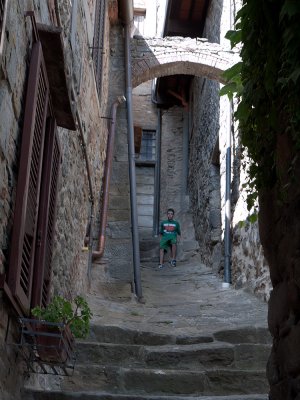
(252, 218)
(76, 314)
(267, 83)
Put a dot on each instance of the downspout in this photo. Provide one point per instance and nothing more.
(128, 17)
(157, 176)
(227, 236)
(107, 174)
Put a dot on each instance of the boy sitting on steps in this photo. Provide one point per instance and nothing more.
(169, 237)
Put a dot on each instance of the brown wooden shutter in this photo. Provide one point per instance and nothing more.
(137, 139)
(20, 272)
(46, 220)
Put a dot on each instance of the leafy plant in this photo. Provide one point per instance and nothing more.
(266, 83)
(76, 314)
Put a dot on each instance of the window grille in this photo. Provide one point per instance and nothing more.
(148, 146)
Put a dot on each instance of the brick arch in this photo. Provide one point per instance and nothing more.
(157, 57)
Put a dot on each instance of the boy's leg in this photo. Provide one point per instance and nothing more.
(161, 256)
(174, 248)
(173, 251)
(162, 246)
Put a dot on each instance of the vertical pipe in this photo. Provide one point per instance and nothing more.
(227, 238)
(185, 145)
(157, 176)
(90, 257)
(107, 176)
(132, 177)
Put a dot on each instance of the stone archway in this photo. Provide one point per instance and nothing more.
(157, 57)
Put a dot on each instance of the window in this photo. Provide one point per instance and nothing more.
(139, 15)
(148, 146)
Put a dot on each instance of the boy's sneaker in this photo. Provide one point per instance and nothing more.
(173, 263)
(160, 266)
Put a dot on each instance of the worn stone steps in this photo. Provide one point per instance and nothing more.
(116, 334)
(203, 355)
(54, 395)
(149, 250)
(155, 381)
(189, 339)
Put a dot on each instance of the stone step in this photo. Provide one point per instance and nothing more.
(205, 355)
(123, 335)
(244, 335)
(208, 356)
(53, 395)
(149, 250)
(119, 335)
(162, 382)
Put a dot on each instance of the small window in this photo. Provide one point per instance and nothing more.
(148, 146)
(139, 15)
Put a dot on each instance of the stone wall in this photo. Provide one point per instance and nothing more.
(207, 179)
(204, 176)
(172, 183)
(69, 261)
(118, 245)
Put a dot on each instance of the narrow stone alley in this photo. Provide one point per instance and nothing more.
(188, 338)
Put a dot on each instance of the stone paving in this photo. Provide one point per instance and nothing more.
(185, 300)
(188, 338)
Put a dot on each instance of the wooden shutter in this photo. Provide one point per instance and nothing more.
(20, 272)
(3, 8)
(137, 139)
(46, 219)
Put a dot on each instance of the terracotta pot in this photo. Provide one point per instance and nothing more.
(54, 344)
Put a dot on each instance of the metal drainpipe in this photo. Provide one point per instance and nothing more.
(227, 238)
(157, 175)
(132, 176)
(91, 195)
(107, 174)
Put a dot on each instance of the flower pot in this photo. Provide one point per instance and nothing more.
(54, 342)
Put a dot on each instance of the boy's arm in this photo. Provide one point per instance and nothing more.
(161, 229)
(178, 229)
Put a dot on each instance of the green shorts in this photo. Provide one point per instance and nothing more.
(166, 242)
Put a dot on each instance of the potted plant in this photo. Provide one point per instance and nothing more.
(58, 324)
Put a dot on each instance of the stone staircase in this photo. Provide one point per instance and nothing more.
(189, 339)
(126, 364)
(149, 250)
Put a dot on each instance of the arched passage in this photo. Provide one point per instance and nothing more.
(157, 57)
